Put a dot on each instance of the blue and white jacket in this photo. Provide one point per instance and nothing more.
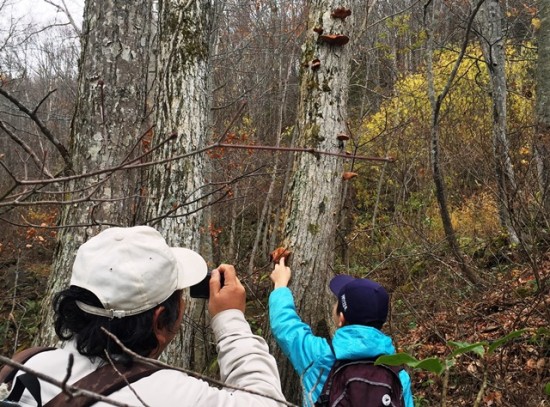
(312, 357)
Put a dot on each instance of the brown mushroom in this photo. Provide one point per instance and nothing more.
(315, 64)
(341, 13)
(349, 175)
(334, 39)
(342, 137)
(279, 253)
(318, 30)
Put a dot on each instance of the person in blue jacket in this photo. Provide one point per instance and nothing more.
(359, 313)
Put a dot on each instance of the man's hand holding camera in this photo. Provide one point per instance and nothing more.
(230, 295)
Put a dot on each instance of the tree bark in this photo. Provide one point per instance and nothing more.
(542, 137)
(176, 189)
(110, 118)
(316, 188)
(490, 20)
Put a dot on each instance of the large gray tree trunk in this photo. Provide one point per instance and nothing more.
(109, 119)
(542, 137)
(175, 188)
(490, 20)
(316, 188)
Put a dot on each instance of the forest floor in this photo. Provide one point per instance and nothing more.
(507, 313)
(427, 313)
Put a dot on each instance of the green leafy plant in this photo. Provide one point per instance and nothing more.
(442, 366)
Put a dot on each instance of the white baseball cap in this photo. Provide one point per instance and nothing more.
(132, 270)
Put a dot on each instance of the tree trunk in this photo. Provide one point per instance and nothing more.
(176, 188)
(435, 151)
(492, 43)
(542, 137)
(316, 187)
(109, 119)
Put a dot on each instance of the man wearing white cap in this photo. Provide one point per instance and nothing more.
(129, 282)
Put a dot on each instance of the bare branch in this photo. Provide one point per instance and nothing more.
(27, 149)
(52, 91)
(158, 363)
(60, 147)
(65, 11)
(74, 391)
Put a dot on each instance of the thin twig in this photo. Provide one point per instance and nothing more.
(74, 391)
(479, 397)
(155, 362)
(199, 151)
(128, 384)
(39, 163)
(46, 131)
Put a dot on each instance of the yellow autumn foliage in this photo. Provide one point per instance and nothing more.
(401, 128)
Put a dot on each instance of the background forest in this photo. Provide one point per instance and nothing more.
(414, 150)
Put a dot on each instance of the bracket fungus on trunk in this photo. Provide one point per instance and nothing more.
(315, 64)
(342, 137)
(334, 39)
(341, 13)
(349, 175)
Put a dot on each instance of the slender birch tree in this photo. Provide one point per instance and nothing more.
(491, 36)
(542, 137)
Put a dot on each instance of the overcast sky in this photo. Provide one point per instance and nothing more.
(38, 11)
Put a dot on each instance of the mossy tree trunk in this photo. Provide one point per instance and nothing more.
(109, 120)
(175, 189)
(314, 197)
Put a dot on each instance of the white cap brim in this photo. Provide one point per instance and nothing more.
(192, 268)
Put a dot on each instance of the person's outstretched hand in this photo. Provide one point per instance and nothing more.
(281, 274)
(229, 296)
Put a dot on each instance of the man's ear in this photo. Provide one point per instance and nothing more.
(160, 330)
(341, 320)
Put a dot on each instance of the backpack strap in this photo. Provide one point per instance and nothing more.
(8, 372)
(104, 380)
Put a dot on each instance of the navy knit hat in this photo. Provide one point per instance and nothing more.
(363, 301)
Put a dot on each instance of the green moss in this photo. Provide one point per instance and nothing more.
(192, 45)
(312, 84)
(313, 228)
(312, 134)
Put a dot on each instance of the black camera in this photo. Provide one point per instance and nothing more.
(202, 289)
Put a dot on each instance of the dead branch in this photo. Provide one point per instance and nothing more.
(40, 164)
(65, 11)
(72, 390)
(32, 115)
(158, 363)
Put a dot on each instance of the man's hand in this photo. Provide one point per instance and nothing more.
(231, 296)
(281, 274)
